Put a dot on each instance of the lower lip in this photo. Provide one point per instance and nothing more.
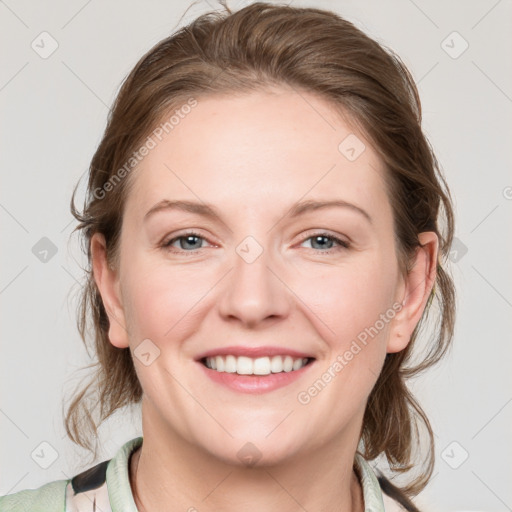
(255, 384)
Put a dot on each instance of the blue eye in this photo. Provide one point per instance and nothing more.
(319, 238)
(192, 242)
(188, 239)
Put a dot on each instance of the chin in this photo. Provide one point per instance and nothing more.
(250, 451)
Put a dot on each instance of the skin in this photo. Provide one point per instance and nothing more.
(253, 156)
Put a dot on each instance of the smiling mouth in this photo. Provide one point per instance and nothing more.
(243, 365)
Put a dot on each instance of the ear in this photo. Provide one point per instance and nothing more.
(417, 285)
(107, 281)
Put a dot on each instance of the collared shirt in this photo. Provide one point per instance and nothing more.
(106, 487)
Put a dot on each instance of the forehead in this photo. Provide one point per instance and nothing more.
(256, 150)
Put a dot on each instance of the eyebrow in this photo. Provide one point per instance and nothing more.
(207, 210)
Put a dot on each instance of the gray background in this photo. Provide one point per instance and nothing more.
(53, 113)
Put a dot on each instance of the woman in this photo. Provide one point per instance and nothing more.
(263, 230)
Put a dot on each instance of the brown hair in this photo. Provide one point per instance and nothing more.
(309, 50)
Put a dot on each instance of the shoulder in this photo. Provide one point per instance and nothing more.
(73, 494)
(393, 497)
(89, 490)
(390, 505)
(47, 498)
(378, 492)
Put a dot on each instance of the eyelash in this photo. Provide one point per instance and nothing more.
(341, 243)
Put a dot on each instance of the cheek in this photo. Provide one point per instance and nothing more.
(356, 304)
(161, 300)
(348, 299)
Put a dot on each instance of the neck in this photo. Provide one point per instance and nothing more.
(180, 474)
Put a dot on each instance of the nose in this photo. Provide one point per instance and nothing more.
(254, 292)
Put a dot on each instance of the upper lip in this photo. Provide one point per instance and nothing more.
(254, 352)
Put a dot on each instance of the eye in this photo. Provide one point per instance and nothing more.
(186, 241)
(191, 243)
(325, 241)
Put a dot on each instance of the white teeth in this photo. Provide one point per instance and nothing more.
(276, 365)
(258, 366)
(261, 366)
(244, 365)
(230, 365)
(297, 364)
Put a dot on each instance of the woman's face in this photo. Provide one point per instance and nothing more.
(248, 272)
